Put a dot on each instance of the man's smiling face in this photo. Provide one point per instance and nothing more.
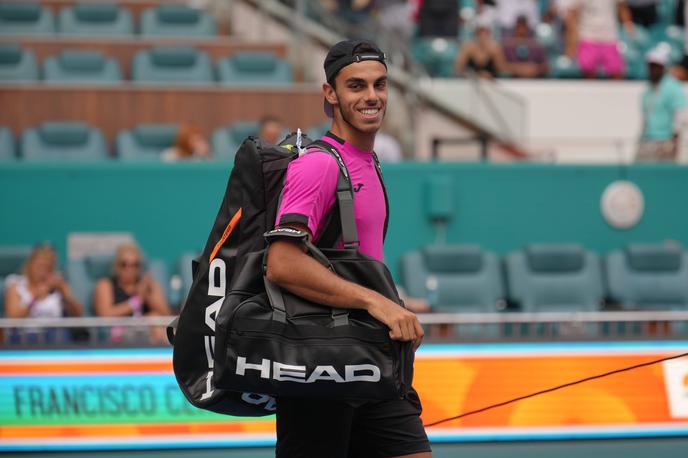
(360, 95)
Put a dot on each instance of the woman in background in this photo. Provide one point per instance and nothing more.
(40, 292)
(130, 292)
(190, 144)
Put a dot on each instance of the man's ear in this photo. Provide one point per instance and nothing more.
(329, 93)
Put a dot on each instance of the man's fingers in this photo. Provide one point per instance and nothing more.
(419, 329)
(395, 331)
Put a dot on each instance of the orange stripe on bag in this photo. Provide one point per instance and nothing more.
(228, 230)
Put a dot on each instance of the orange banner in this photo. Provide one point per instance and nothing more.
(109, 399)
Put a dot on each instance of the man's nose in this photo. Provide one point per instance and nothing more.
(371, 95)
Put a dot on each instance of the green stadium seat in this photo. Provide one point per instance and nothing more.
(83, 275)
(564, 67)
(454, 278)
(63, 141)
(226, 140)
(172, 64)
(634, 60)
(146, 142)
(555, 277)
(17, 64)
(77, 66)
(649, 276)
(25, 19)
(319, 130)
(254, 68)
(12, 259)
(7, 148)
(95, 19)
(185, 272)
(437, 55)
(176, 21)
(642, 39)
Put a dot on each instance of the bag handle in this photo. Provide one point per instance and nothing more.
(339, 316)
(345, 197)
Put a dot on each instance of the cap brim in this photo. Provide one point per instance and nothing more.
(327, 108)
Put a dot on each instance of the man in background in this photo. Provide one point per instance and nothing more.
(663, 105)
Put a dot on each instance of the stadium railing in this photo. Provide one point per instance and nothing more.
(472, 327)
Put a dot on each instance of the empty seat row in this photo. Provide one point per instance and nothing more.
(104, 19)
(79, 141)
(545, 277)
(171, 64)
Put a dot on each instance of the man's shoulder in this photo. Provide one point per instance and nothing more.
(316, 163)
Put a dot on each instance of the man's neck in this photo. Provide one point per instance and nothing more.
(361, 140)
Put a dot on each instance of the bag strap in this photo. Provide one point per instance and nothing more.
(279, 311)
(344, 199)
(378, 168)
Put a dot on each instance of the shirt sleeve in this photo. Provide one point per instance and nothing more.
(309, 191)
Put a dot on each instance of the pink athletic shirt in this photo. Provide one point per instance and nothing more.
(309, 193)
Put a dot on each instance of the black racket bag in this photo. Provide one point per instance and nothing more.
(274, 342)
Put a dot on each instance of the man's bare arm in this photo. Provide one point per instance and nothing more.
(294, 270)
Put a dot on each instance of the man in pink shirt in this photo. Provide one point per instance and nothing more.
(356, 99)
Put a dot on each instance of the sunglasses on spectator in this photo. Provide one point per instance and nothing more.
(127, 264)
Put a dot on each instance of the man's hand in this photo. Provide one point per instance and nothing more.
(403, 324)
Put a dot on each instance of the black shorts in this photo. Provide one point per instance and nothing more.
(312, 428)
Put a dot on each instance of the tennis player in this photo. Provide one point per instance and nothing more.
(356, 99)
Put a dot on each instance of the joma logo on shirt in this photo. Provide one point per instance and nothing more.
(290, 373)
(358, 187)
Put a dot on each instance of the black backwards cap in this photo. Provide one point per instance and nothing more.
(345, 53)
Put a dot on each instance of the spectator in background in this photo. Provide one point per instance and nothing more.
(270, 129)
(482, 55)
(190, 144)
(643, 12)
(387, 148)
(507, 12)
(130, 292)
(525, 55)
(592, 35)
(680, 71)
(40, 291)
(663, 110)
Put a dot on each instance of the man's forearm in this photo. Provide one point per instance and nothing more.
(300, 274)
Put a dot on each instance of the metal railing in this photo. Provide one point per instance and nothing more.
(473, 327)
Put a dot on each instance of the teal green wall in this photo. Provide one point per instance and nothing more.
(171, 207)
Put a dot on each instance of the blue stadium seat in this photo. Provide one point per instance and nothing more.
(185, 272)
(555, 277)
(77, 66)
(83, 275)
(652, 276)
(226, 140)
(454, 278)
(437, 55)
(319, 130)
(176, 21)
(63, 141)
(254, 68)
(95, 19)
(564, 67)
(146, 142)
(171, 64)
(12, 259)
(17, 64)
(25, 19)
(7, 148)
